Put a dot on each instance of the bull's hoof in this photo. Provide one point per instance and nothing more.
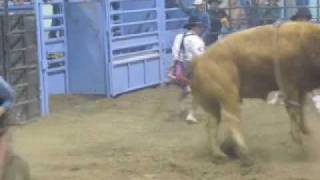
(246, 161)
(228, 148)
(219, 158)
(305, 130)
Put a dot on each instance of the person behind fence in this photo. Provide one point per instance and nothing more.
(302, 14)
(199, 11)
(185, 47)
(56, 9)
(12, 166)
(252, 13)
(271, 12)
(218, 18)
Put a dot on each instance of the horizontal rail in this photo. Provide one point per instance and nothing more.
(116, 12)
(54, 16)
(19, 68)
(136, 59)
(134, 23)
(135, 35)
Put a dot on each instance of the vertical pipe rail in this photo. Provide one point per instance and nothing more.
(318, 11)
(285, 10)
(5, 39)
(161, 14)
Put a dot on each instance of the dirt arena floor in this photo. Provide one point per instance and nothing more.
(142, 136)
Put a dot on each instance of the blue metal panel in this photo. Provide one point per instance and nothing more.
(134, 37)
(136, 74)
(153, 72)
(44, 104)
(52, 56)
(87, 61)
(54, 79)
(120, 81)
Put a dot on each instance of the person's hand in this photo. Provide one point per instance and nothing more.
(2, 111)
(225, 22)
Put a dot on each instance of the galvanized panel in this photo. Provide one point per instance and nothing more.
(87, 61)
(19, 60)
(53, 51)
(134, 37)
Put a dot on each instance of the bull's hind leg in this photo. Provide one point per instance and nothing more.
(213, 130)
(231, 123)
(294, 105)
(16, 168)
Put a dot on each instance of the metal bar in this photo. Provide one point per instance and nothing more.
(135, 35)
(136, 59)
(22, 85)
(54, 28)
(51, 2)
(108, 45)
(6, 40)
(53, 70)
(16, 61)
(134, 23)
(55, 61)
(17, 8)
(53, 16)
(136, 53)
(18, 32)
(124, 46)
(66, 53)
(16, 23)
(2, 57)
(24, 67)
(17, 79)
(172, 9)
(318, 11)
(55, 40)
(131, 11)
(16, 41)
(161, 16)
(22, 103)
(44, 99)
(176, 19)
(22, 49)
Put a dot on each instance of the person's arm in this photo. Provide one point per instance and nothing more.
(196, 46)
(184, 7)
(6, 95)
(224, 19)
(176, 47)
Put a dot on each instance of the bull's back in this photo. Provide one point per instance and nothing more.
(246, 60)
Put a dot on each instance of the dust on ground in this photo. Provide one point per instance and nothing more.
(142, 136)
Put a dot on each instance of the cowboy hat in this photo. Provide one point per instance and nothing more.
(197, 2)
(193, 21)
(302, 13)
(216, 1)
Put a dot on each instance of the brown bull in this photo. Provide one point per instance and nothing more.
(250, 64)
(12, 166)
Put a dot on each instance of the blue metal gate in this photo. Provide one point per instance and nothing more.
(87, 47)
(52, 43)
(134, 44)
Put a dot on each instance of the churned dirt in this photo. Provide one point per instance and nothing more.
(142, 136)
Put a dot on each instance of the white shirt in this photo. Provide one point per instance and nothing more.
(193, 46)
